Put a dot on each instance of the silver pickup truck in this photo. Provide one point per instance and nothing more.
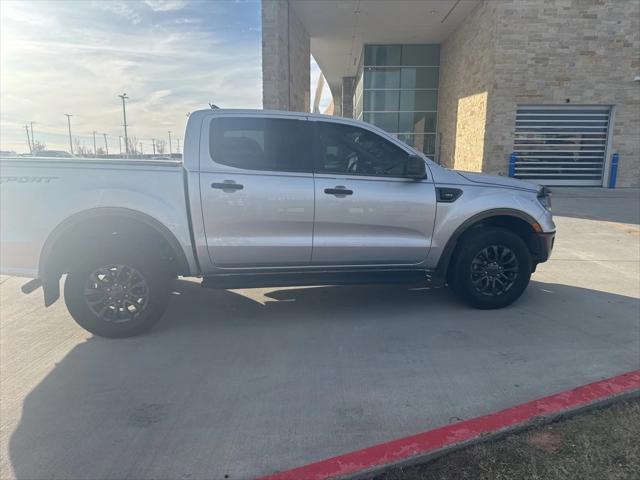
(264, 199)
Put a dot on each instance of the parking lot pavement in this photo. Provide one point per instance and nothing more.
(246, 382)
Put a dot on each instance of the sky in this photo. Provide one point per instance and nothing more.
(171, 57)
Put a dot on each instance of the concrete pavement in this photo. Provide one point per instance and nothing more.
(247, 382)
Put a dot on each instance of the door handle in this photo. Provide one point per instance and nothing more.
(227, 185)
(338, 191)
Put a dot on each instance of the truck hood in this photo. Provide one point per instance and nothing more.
(499, 181)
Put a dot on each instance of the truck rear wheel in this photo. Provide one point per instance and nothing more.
(491, 268)
(117, 295)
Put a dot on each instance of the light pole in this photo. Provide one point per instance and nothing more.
(26, 127)
(120, 143)
(106, 146)
(33, 139)
(68, 115)
(95, 151)
(124, 115)
(153, 143)
(170, 150)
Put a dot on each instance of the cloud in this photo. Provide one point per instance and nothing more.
(166, 5)
(122, 9)
(88, 55)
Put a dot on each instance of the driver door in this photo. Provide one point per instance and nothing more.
(367, 212)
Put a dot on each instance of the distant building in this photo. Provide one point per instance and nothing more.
(471, 82)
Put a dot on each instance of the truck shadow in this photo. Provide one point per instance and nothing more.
(204, 394)
(298, 305)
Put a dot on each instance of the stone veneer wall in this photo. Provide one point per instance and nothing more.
(584, 51)
(286, 51)
(467, 59)
(348, 89)
(510, 52)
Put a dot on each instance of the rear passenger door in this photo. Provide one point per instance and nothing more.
(257, 191)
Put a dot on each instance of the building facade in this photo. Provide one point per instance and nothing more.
(551, 86)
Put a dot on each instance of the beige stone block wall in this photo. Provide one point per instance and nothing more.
(286, 50)
(538, 52)
(300, 65)
(348, 88)
(467, 59)
(583, 51)
(470, 132)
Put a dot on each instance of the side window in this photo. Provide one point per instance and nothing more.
(355, 151)
(273, 144)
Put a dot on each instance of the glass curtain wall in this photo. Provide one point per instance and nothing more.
(397, 90)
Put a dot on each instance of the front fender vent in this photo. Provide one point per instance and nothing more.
(447, 195)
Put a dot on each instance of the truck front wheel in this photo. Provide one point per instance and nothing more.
(491, 268)
(117, 295)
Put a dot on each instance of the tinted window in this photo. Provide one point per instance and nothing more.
(385, 120)
(376, 100)
(354, 151)
(421, 77)
(418, 100)
(417, 122)
(382, 54)
(261, 144)
(424, 143)
(381, 77)
(415, 55)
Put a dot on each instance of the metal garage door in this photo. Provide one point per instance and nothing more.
(561, 144)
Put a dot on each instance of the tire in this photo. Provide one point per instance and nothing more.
(138, 288)
(491, 268)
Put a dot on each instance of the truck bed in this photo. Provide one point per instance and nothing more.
(37, 194)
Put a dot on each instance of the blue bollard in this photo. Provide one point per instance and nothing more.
(613, 173)
(512, 165)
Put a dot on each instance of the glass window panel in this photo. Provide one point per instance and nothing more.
(424, 143)
(260, 144)
(351, 150)
(420, 77)
(381, 100)
(381, 78)
(417, 122)
(382, 54)
(386, 121)
(415, 55)
(418, 100)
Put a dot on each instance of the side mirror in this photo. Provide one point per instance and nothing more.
(415, 167)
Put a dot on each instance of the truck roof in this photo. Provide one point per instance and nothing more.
(259, 111)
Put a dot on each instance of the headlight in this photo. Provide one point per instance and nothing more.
(544, 197)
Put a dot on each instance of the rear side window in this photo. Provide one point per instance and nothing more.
(273, 144)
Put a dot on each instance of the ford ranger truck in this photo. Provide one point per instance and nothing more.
(264, 199)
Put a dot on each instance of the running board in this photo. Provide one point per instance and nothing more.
(290, 279)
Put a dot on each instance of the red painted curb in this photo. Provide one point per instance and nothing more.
(456, 433)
